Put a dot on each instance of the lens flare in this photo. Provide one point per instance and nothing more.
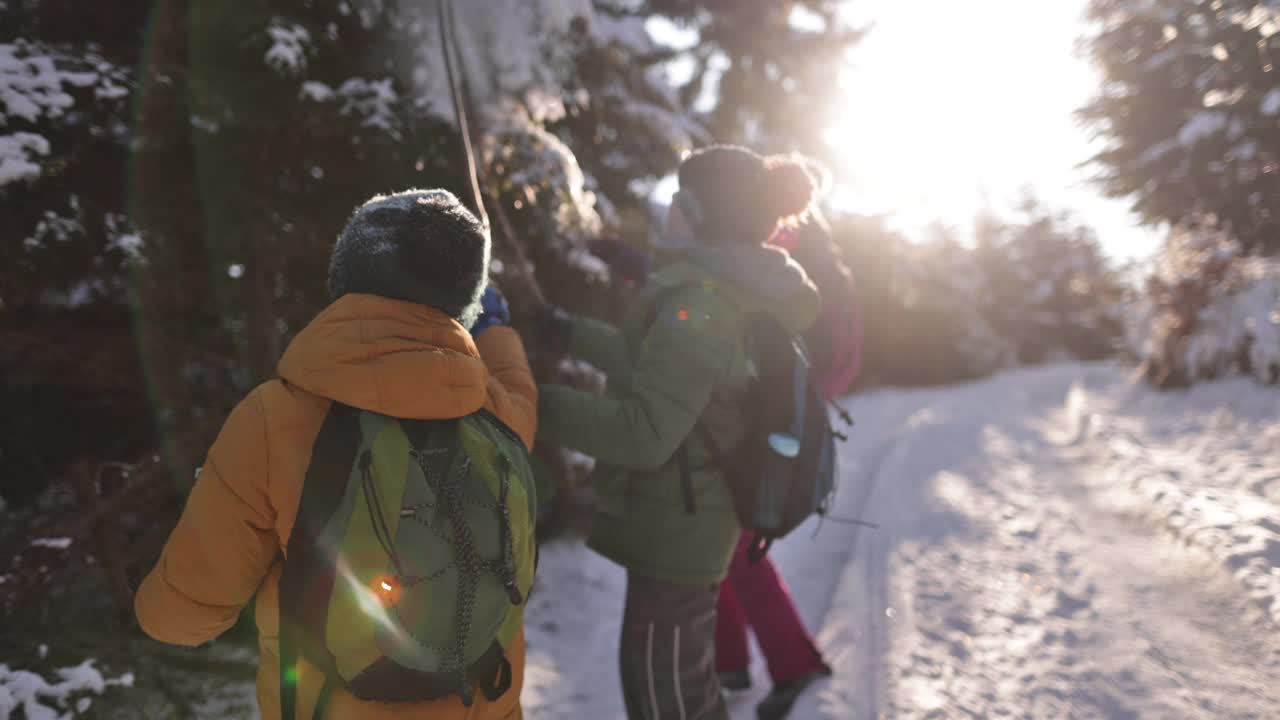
(387, 589)
(375, 601)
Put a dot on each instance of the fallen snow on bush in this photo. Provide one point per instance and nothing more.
(38, 699)
(1208, 311)
(1240, 327)
(372, 101)
(18, 153)
(289, 44)
(37, 86)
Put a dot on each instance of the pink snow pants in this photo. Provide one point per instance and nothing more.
(755, 595)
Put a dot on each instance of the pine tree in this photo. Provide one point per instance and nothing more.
(65, 86)
(922, 319)
(771, 67)
(63, 135)
(1047, 287)
(203, 220)
(1030, 289)
(1190, 108)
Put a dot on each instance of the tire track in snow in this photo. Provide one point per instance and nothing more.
(1047, 605)
(865, 656)
(852, 599)
(816, 561)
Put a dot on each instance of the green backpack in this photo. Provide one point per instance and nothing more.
(410, 560)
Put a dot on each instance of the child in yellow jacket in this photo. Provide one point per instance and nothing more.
(411, 333)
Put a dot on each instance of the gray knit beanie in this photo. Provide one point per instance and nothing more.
(422, 246)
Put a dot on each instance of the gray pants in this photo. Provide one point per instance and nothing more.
(668, 652)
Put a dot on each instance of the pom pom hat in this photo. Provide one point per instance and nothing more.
(730, 194)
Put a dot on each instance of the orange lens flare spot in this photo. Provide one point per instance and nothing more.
(683, 314)
(388, 590)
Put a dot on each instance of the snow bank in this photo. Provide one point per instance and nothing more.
(37, 699)
(1201, 462)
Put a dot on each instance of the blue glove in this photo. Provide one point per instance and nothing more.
(495, 311)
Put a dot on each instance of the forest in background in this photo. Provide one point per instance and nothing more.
(173, 174)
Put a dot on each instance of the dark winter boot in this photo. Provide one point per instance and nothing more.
(735, 680)
(779, 702)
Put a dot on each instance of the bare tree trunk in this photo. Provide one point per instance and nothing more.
(264, 320)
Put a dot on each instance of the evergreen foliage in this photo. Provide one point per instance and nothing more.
(1207, 310)
(1190, 110)
(1032, 288)
(174, 173)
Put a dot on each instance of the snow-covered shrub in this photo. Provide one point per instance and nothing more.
(185, 173)
(1240, 329)
(28, 693)
(1207, 311)
(539, 171)
(39, 89)
(289, 44)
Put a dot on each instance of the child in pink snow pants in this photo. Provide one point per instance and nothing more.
(755, 595)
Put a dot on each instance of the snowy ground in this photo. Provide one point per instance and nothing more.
(1055, 542)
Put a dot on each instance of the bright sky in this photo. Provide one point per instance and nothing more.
(952, 107)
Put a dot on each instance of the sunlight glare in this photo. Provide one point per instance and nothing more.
(952, 108)
(944, 100)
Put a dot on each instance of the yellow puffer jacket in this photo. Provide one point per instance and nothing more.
(386, 356)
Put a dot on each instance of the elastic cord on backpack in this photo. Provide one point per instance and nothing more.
(380, 529)
(505, 535)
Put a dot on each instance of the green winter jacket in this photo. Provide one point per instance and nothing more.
(676, 363)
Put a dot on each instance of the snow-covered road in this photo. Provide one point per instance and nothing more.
(1054, 542)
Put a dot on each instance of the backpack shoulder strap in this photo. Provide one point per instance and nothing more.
(682, 453)
(332, 457)
(656, 302)
(498, 423)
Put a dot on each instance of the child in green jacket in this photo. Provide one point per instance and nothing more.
(678, 374)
